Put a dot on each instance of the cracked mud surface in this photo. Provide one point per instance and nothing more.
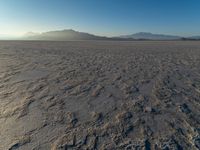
(99, 95)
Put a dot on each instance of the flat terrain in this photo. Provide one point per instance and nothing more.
(99, 95)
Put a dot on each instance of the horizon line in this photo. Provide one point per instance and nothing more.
(20, 35)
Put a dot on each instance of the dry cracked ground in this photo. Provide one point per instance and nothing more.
(98, 95)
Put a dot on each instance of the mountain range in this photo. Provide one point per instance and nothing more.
(62, 35)
(68, 35)
(151, 36)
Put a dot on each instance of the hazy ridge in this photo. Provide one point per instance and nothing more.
(68, 35)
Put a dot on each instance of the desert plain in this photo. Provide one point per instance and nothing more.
(100, 95)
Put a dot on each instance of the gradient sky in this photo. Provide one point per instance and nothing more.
(101, 17)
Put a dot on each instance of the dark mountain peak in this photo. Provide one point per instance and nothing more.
(64, 35)
(144, 33)
(151, 36)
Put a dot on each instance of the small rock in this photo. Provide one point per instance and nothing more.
(171, 144)
(132, 89)
(147, 145)
(117, 78)
(93, 143)
(124, 116)
(184, 108)
(72, 119)
(97, 90)
(59, 117)
(97, 116)
(81, 140)
(109, 95)
(69, 143)
(66, 141)
(128, 128)
(148, 109)
(197, 142)
(20, 142)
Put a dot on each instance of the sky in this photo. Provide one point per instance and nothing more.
(100, 17)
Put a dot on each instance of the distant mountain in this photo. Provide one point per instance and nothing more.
(150, 36)
(72, 35)
(29, 34)
(194, 37)
(62, 35)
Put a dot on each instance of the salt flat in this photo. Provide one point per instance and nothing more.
(99, 95)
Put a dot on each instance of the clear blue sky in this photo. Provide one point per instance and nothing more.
(101, 17)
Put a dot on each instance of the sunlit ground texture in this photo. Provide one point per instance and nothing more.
(99, 95)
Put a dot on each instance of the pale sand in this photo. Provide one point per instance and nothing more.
(99, 95)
